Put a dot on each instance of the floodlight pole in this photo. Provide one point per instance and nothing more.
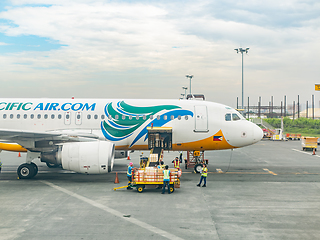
(185, 92)
(189, 76)
(242, 50)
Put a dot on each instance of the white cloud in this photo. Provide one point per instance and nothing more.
(130, 47)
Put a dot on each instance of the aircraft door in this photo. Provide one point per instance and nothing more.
(67, 117)
(201, 118)
(78, 118)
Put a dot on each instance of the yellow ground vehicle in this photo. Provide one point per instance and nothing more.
(149, 175)
(152, 176)
(309, 143)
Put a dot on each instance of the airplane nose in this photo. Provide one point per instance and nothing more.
(257, 134)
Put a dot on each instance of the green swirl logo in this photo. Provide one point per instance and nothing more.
(125, 120)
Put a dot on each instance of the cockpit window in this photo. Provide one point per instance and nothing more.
(235, 117)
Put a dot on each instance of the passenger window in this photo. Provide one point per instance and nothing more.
(137, 117)
(172, 117)
(4, 116)
(67, 116)
(116, 117)
(123, 117)
(144, 117)
(18, 116)
(151, 117)
(158, 117)
(130, 117)
(52, 116)
(25, 116)
(39, 116)
(186, 117)
(31, 116)
(179, 117)
(109, 117)
(89, 116)
(102, 116)
(78, 116)
(45, 116)
(95, 116)
(165, 117)
(228, 117)
(235, 117)
(11, 116)
(59, 116)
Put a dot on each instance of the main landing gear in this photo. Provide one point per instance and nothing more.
(27, 170)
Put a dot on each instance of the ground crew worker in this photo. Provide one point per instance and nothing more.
(176, 162)
(129, 174)
(161, 165)
(204, 173)
(166, 179)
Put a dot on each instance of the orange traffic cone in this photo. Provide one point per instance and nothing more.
(314, 152)
(128, 158)
(117, 179)
(19, 155)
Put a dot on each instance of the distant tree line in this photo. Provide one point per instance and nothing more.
(305, 126)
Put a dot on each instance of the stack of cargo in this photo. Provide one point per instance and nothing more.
(153, 158)
(153, 174)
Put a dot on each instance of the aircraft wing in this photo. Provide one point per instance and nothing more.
(9, 135)
(18, 134)
(39, 140)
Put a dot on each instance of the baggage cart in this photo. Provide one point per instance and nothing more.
(309, 143)
(152, 176)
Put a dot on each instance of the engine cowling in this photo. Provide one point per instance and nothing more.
(83, 157)
(88, 157)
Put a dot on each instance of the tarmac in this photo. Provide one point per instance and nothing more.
(270, 190)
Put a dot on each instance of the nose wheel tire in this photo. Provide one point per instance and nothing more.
(27, 171)
(198, 168)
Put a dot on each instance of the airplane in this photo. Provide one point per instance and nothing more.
(86, 135)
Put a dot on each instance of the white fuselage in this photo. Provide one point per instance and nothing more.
(196, 125)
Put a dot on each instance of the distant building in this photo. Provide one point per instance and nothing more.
(316, 113)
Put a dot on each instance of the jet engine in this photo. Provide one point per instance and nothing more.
(83, 157)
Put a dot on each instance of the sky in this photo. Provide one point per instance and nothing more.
(145, 49)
